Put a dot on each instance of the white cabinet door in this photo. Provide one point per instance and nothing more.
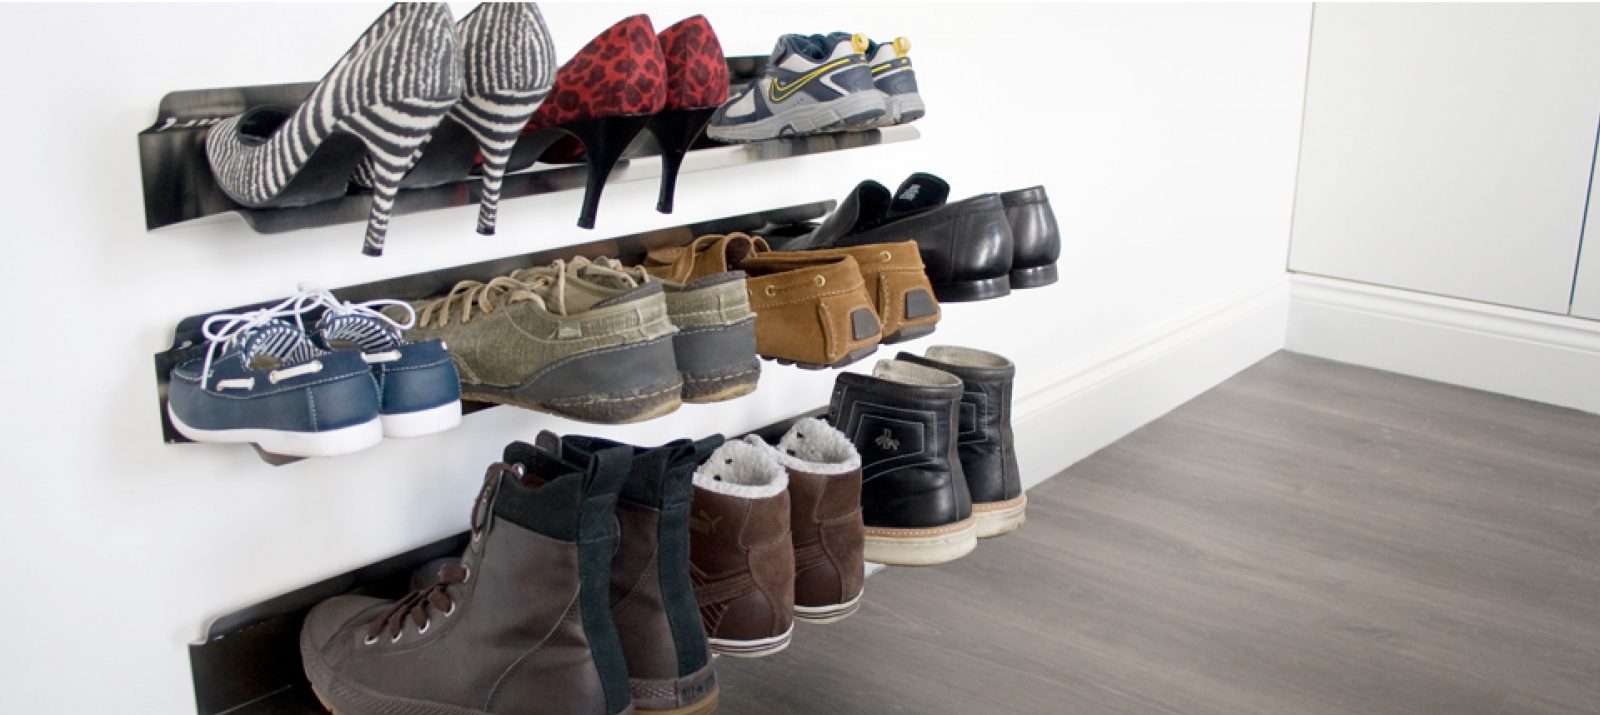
(1586, 290)
(1446, 148)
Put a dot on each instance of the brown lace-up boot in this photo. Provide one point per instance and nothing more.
(741, 551)
(824, 518)
(520, 625)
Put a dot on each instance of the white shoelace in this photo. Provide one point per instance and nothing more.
(312, 296)
(228, 328)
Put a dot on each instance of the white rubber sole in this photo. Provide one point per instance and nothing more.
(1001, 517)
(828, 614)
(807, 119)
(421, 422)
(751, 649)
(922, 547)
(329, 443)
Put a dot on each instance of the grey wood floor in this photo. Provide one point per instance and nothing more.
(1306, 538)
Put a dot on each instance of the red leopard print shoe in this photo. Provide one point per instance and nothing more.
(603, 97)
(697, 83)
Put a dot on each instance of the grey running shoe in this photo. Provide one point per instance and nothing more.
(812, 84)
(890, 65)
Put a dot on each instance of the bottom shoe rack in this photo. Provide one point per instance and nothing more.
(249, 662)
(188, 342)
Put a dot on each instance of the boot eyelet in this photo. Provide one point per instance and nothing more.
(820, 281)
(424, 628)
(370, 640)
(886, 256)
(770, 291)
(395, 638)
(452, 610)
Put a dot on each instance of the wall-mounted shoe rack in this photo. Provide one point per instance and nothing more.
(249, 662)
(188, 343)
(178, 185)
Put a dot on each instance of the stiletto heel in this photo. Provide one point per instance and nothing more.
(604, 97)
(394, 135)
(697, 83)
(604, 140)
(264, 157)
(676, 130)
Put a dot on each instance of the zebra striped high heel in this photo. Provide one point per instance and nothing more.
(508, 62)
(381, 101)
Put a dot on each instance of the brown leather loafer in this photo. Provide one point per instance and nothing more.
(898, 283)
(812, 309)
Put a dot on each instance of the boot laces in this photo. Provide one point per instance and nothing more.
(415, 606)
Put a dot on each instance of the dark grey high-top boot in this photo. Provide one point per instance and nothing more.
(902, 419)
(652, 595)
(988, 451)
(521, 624)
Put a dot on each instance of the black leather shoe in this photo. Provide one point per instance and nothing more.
(914, 502)
(965, 245)
(984, 442)
(1035, 236)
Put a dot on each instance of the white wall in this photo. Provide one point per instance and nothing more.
(1166, 135)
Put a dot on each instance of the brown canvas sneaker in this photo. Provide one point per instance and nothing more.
(811, 310)
(715, 346)
(551, 344)
(741, 553)
(824, 518)
(521, 624)
(896, 280)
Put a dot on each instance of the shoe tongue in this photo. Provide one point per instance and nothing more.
(279, 339)
(919, 192)
(864, 207)
(801, 45)
(364, 331)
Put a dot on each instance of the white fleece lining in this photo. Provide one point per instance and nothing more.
(913, 374)
(743, 470)
(814, 447)
(966, 357)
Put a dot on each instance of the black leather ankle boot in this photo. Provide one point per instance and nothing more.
(902, 419)
(987, 451)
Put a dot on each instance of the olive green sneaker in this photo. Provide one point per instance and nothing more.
(540, 340)
(715, 346)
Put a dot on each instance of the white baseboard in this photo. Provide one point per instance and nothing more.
(1536, 356)
(1067, 415)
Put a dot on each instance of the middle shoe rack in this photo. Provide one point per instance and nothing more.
(189, 342)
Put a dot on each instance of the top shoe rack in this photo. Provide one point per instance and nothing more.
(178, 184)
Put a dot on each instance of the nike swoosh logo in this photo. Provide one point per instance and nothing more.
(778, 91)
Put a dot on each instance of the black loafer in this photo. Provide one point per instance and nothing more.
(965, 245)
(1035, 235)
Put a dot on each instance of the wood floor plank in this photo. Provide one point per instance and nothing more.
(1306, 538)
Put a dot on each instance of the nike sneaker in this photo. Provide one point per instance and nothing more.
(812, 84)
(890, 65)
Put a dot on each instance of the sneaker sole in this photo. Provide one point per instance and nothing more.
(1001, 517)
(627, 383)
(704, 707)
(753, 648)
(327, 443)
(903, 109)
(854, 108)
(828, 614)
(921, 547)
(405, 425)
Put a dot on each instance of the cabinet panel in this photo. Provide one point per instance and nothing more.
(1446, 148)
(1586, 289)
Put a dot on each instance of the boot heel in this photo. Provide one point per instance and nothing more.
(676, 130)
(604, 139)
(394, 135)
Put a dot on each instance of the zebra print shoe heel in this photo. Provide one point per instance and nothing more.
(508, 62)
(389, 91)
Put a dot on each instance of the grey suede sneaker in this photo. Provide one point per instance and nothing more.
(715, 346)
(543, 341)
